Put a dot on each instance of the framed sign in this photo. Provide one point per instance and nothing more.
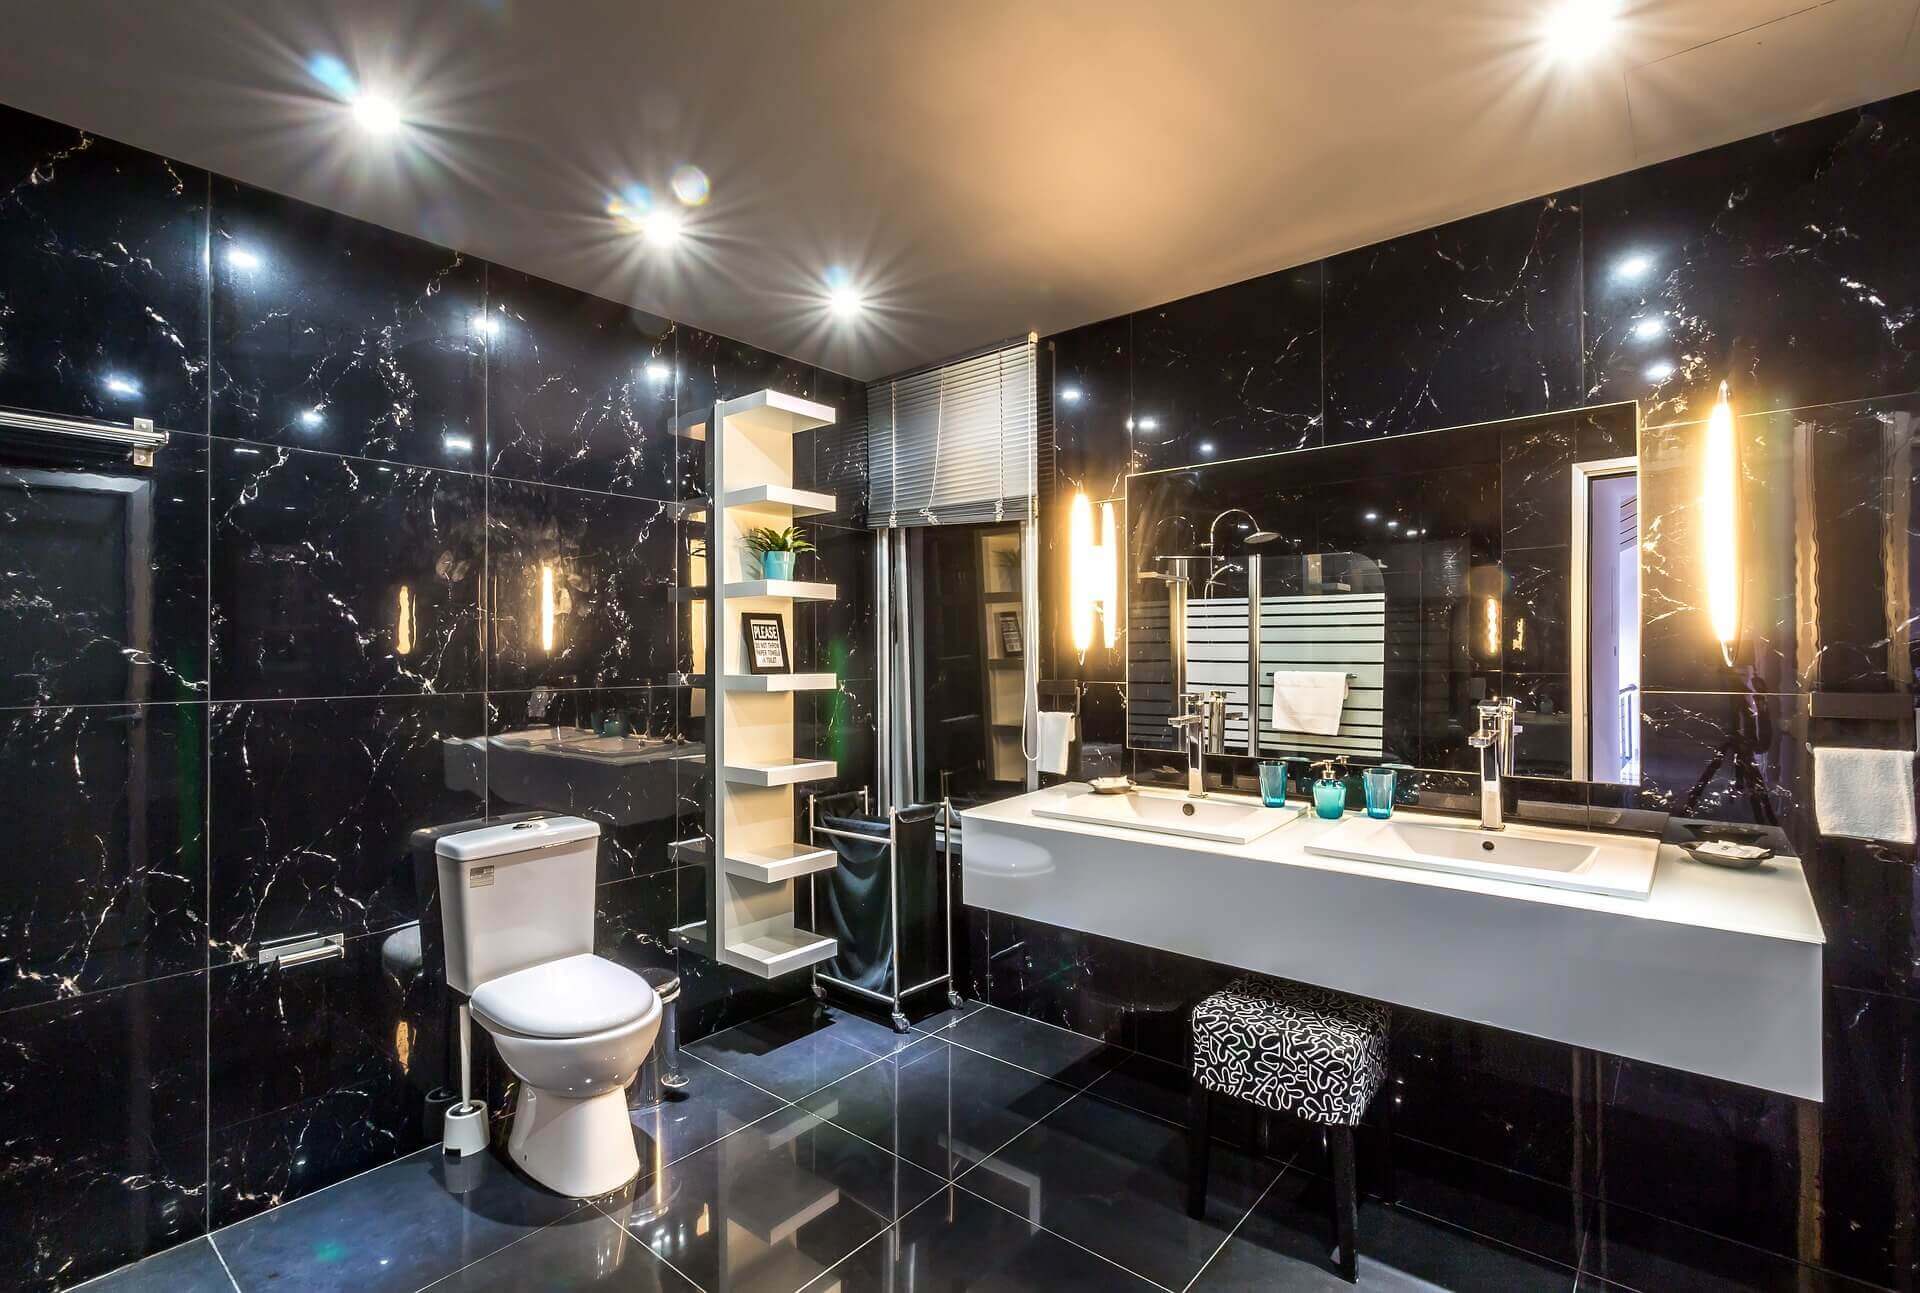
(1010, 640)
(766, 643)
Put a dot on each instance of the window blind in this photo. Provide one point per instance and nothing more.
(953, 445)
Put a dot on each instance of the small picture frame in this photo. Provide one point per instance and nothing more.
(765, 640)
(1012, 644)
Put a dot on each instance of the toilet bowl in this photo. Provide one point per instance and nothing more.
(575, 1032)
(517, 906)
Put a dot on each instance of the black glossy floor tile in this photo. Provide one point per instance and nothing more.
(190, 1268)
(1114, 1180)
(1287, 1243)
(770, 1208)
(398, 1227)
(1526, 1212)
(715, 1104)
(796, 1051)
(1630, 1249)
(584, 1251)
(955, 1242)
(942, 1107)
(1156, 1087)
(946, 1019)
(1064, 1056)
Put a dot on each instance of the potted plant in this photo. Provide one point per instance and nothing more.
(776, 549)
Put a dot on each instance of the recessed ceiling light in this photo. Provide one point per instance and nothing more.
(845, 301)
(1647, 329)
(243, 258)
(1070, 394)
(1633, 266)
(375, 113)
(1581, 29)
(1659, 372)
(662, 227)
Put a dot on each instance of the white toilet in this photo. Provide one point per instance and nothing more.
(517, 903)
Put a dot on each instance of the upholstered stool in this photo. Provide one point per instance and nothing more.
(1311, 1052)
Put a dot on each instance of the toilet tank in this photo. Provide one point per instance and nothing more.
(516, 894)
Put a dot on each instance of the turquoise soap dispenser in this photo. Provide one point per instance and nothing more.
(1330, 789)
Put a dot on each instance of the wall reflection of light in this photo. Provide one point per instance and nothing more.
(1070, 394)
(243, 258)
(1633, 266)
(546, 608)
(455, 442)
(118, 385)
(658, 373)
(403, 623)
(1493, 625)
(1647, 329)
(485, 325)
(1660, 371)
(311, 417)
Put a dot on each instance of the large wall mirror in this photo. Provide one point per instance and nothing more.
(1426, 572)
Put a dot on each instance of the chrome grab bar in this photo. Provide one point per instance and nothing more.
(140, 440)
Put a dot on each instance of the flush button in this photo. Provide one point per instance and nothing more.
(1186, 810)
(530, 826)
(1487, 845)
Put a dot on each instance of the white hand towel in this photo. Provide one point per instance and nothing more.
(1865, 794)
(1056, 740)
(1308, 701)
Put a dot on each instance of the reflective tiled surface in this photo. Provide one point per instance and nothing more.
(929, 1163)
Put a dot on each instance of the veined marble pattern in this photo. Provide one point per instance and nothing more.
(103, 595)
(103, 310)
(332, 334)
(339, 576)
(109, 884)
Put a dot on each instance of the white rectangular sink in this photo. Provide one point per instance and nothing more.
(1222, 819)
(1621, 865)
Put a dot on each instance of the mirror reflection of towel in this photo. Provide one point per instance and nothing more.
(1308, 701)
(1056, 740)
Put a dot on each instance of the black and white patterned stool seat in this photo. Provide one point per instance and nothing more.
(1311, 1052)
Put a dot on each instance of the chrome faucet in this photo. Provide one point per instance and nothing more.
(1494, 740)
(1203, 718)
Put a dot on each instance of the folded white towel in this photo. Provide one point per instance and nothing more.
(1308, 701)
(1865, 794)
(1056, 740)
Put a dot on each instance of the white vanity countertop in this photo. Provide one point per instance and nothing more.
(1715, 972)
(1770, 901)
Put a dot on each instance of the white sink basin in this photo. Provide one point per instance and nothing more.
(1621, 865)
(1223, 819)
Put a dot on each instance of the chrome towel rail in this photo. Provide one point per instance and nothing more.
(140, 440)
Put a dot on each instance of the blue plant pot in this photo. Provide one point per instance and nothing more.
(776, 565)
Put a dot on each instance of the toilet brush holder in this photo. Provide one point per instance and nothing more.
(464, 1129)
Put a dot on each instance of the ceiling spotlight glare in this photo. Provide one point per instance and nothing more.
(375, 113)
(845, 301)
(1371, 516)
(691, 185)
(660, 228)
(333, 76)
(1069, 394)
(1581, 29)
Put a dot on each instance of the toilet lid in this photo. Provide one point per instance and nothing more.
(571, 997)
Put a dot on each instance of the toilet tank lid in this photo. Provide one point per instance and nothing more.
(515, 837)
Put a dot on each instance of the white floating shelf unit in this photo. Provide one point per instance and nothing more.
(751, 920)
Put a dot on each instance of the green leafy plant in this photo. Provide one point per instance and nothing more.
(765, 539)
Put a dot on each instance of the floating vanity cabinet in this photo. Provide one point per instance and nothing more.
(756, 860)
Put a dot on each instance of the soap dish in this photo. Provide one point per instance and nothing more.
(1728, 853)
(1112, 785)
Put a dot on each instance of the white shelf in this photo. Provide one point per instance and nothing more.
(802, 502)
(773, 947)
(784, 864)
(779, 682)
(781, 772)
(775, 411)
(796, 589)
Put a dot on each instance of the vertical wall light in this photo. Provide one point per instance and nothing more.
(1093, 574)
(1720, 525)
(546, 607)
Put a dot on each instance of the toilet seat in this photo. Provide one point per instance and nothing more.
(575, 996)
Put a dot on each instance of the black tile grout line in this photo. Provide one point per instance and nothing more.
(1222, 1245)
(975, 1194)
(89, 993)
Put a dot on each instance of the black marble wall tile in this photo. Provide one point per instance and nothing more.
(337, 576)
(838, 636)
(1228, 373)
(612, 564)
(580, 390)
(1776, 263)
(104, 1155)
(313, 1073)
(840, 725)
(110, 881)
(1870, 1138)
(103, 311)
(1468, 322)
(1868, 895)
(313, 802)
(1723, 756)
(712, 368)
(634, 920)
(837, 463)
(1544, 745)
(1536, 491)
(333, 334)
(103, 595)
(1061, 976)
(625, 778)
(1092, 399)
(1535, 611)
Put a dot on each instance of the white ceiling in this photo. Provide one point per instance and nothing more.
(982, 168)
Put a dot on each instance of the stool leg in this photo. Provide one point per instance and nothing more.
(1346, 1219)
(1199, 1147)
(1383, 1147)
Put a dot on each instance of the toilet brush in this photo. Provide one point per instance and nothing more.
(465, 1128)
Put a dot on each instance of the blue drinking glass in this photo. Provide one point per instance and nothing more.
(1379, 787)
(1273, 783)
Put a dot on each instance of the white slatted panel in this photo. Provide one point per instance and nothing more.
(955, 444)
